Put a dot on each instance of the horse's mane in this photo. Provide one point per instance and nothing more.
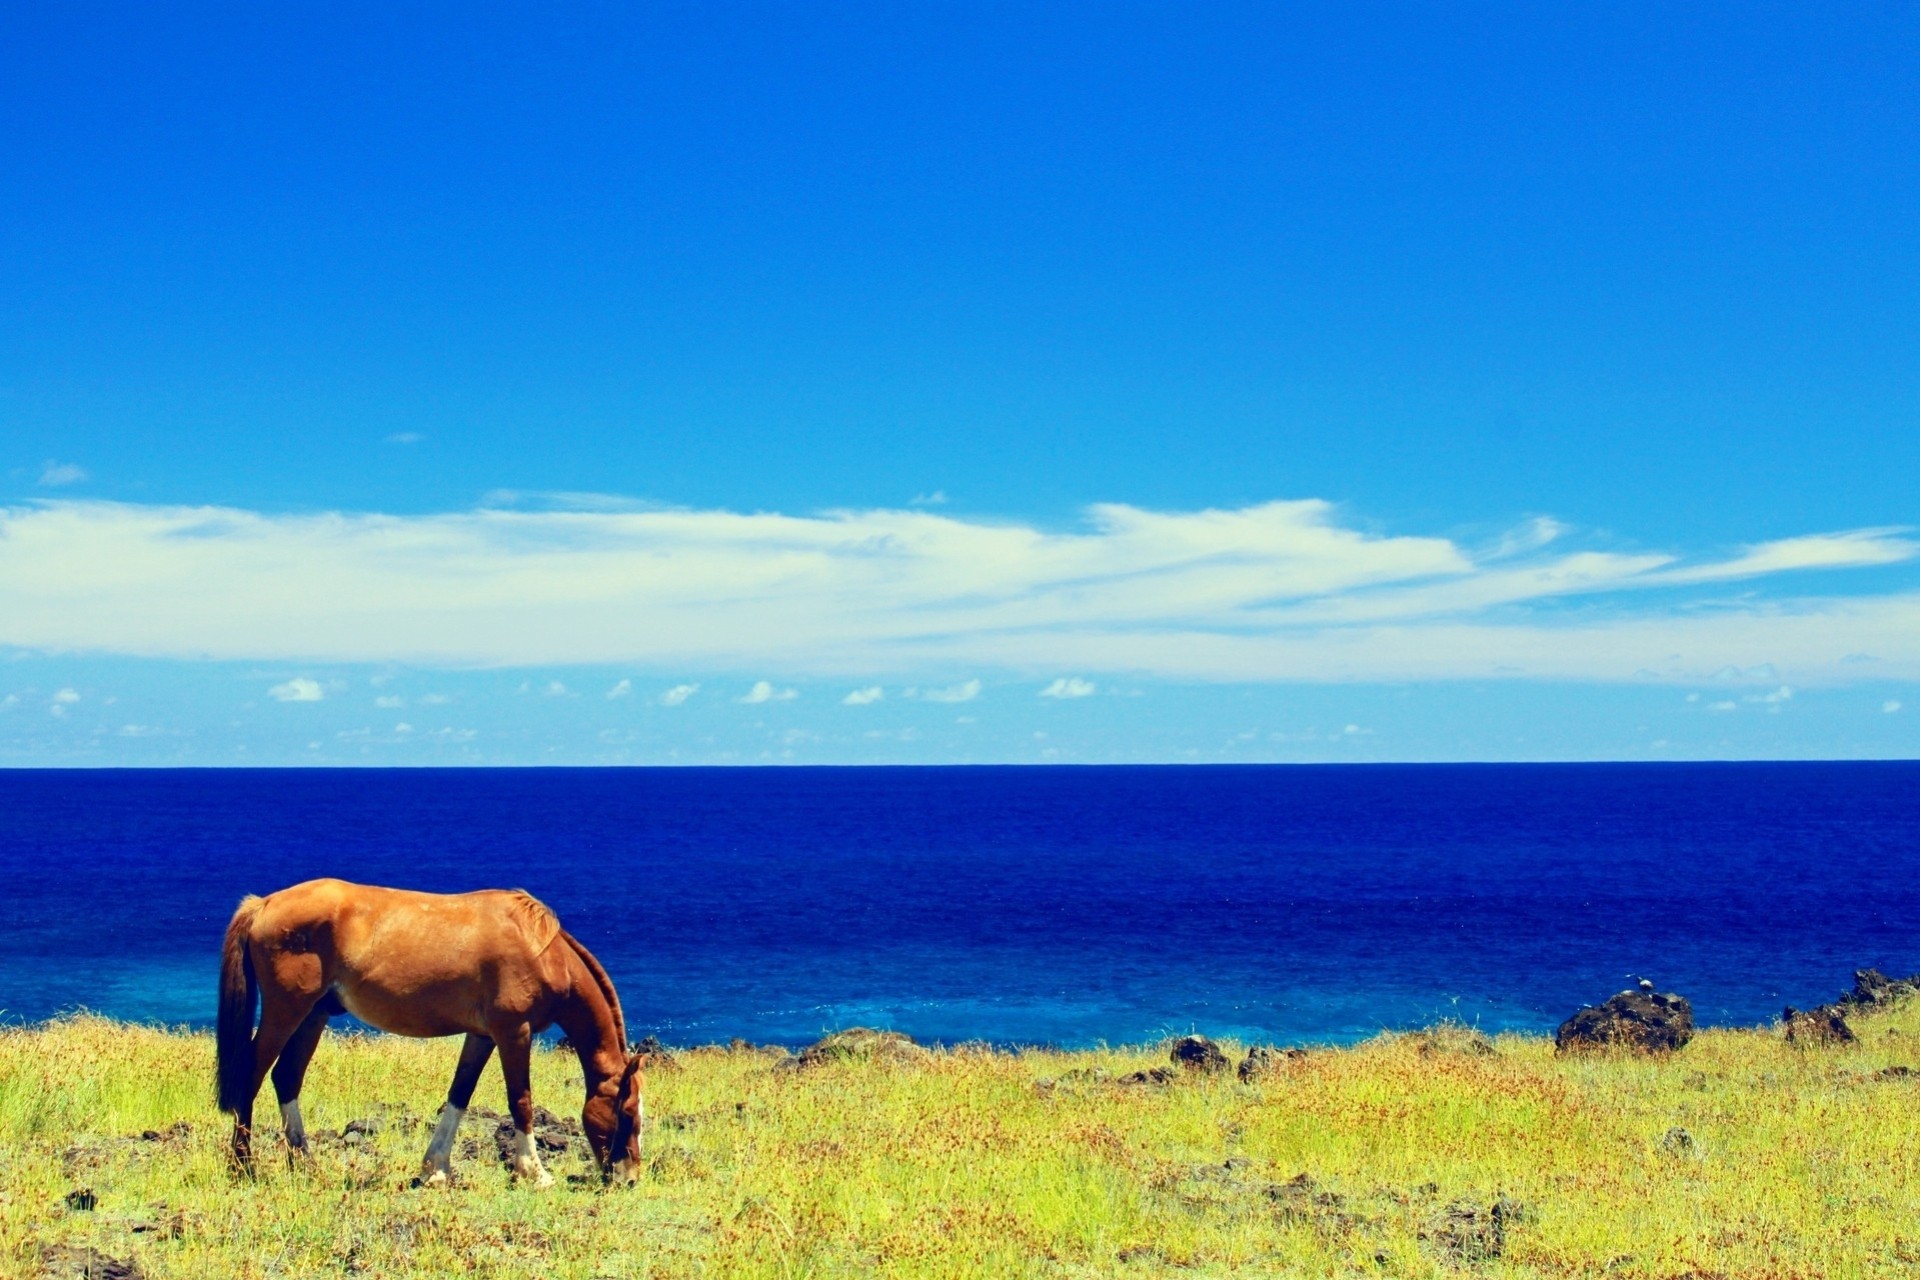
(606, 986)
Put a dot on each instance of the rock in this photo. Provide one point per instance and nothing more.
(82, 1199)
(1677, 1142)
(1647, 1023)
(1452, 1039)
(64, 1262)
(1197, 1053)
(1816, 1026)
(1151, 1076)
(1466, 1233)
(1261, 1061)
(1873, 989)
(655, 1056)
(1899, 1072)
(857, 1044)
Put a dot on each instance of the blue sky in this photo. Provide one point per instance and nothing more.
(1262, 382)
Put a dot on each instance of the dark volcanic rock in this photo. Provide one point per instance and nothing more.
(1645, 1021)
(1873, 989)
(1824, 1025)
(1197, 1053)
(1152, 1075)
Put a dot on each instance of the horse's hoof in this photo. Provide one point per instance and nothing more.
(434, 1178)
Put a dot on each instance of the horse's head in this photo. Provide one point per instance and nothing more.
(612, 1122)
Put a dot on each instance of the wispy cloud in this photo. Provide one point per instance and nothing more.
(404, 437)
(965, 691)
(53, 474)
(763, 691)
(298, 689)
(1890, 706)
(1284, 591)
(1069, 687)
(678, 694)
(864, 697)
(620, 690)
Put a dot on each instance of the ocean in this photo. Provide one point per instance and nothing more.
(1051, 905)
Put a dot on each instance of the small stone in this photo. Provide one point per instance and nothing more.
(82, 1199)
(1677, 1142)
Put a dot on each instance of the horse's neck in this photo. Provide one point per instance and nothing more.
(588, 1020)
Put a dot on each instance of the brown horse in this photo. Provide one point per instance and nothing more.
(495, 965)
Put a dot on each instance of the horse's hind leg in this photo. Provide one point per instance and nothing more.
(280, 1017)
(291, 1069)
(437, 1168)
(516, 1054)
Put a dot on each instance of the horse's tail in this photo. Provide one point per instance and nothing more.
(233, 1036)
(606, 986)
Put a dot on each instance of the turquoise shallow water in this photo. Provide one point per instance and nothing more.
(1033, 905)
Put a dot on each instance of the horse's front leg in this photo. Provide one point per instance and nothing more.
(436, 1170)
(516, 1063)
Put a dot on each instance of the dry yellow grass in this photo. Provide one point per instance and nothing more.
(1385, 1159)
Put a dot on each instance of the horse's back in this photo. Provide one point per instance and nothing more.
(393, 955)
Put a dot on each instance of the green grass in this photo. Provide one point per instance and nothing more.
(1802, 1162)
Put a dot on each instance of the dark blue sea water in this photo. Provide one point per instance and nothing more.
(1052, 905)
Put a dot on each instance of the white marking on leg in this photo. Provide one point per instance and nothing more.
(526, 1161)
(437, 1168)
(296, 1129)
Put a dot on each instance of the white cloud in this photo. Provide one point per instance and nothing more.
(763, 691)
(1069, 687)
(1782, 694)
(435, 699)
(555, 689)
(1283, 591)
(11, 700)
(1890, 706)
(298, 689)
(621, 690)
(67, 695)
(864, 697)
(405, 437)
(1726, 705)
(403, 727)
(938, 498)
(965, 691)
(389, 702)
(678, 694)
(55, 474)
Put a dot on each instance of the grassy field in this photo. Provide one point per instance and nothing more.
(1741, 1156)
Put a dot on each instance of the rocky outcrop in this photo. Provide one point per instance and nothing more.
(1872, 992)
(862, 1044)
(1198, 1054)
(1643, 1021)
(1824, 1025)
